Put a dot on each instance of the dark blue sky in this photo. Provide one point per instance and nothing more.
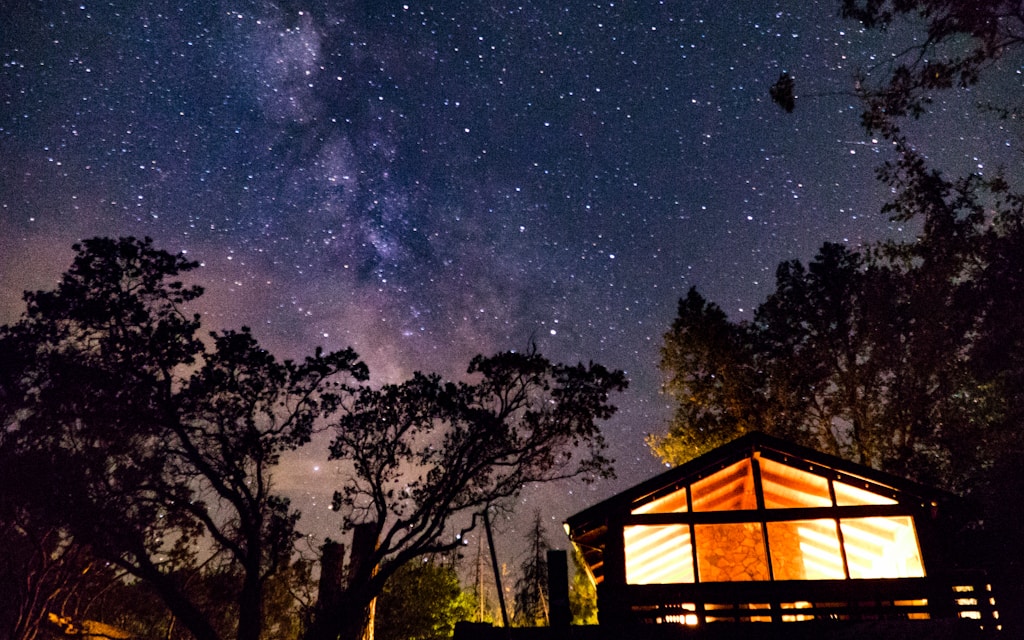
(428, 181)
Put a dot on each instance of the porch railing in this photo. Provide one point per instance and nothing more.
(965, 597)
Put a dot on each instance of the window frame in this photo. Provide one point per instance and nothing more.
(888, 507)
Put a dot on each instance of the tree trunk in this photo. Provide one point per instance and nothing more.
(183, 610)
(344, 608)
(250, 607)
(348, 619)
(329, 593)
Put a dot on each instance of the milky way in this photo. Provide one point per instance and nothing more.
(425, 182)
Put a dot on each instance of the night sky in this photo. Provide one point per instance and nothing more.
(428, 181)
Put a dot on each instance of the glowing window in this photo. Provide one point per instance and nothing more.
(787, 487)
(658, 554)
(731, 552)
(674, 502)
(805, 550)
(882, 547)
(729, 489)
(850, 496)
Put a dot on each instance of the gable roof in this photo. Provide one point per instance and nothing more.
(756, 444)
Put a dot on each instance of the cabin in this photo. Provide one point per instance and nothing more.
(764, 531)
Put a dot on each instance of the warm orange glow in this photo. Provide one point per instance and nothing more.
(796, 617)
(882, 547)
(787, 487)
(805, 550)
(731, 611)
(874, 547)
(688, 619)
(672, 503)
(849, 496)
(730, 552)
(729, 489)
(658, 554)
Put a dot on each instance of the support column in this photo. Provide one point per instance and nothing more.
(612, 601)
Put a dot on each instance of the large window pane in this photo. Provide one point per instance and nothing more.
(674, 502)
(850, 496)
(882, 547)
(787, 487)
(729, 489)
(731, 552)
(658, 554)
(805, 550)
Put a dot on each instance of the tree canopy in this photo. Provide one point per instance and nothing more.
(962, 41)
(901, 355)
(134, 436)
(130, 440)
(869, 358)
(428, 456)
(905, 356)
(422, 601)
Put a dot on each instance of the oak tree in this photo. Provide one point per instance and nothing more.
(429, 455)
(147, 443)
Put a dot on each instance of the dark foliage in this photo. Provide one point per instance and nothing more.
(428, 455)
(906, 356)
(132, 436)
(961, 42)
(783, 92)
(531, 598)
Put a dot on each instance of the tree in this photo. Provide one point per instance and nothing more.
(959, 281)
(243, 410)
(920, 378)
(938, 358)
(135, 607)
(422, 601)
(961, 42)
(908, 359)
(288, 600)
(427, 455)
(531, 590)
(954, 46)
(866, 357)
(582, 592)
(709, 372)
(825, 351)
(146, 443)
(970, 223)
(44, 573)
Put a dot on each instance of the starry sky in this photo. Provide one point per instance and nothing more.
(425, 181)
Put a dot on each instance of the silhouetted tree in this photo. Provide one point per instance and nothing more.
(950, 45)
(873, 359)
(136, 608)
(531, 598)
(947, 361)
(890, 357)
(145, 443)
(427, 455)
(960, 42)
(709, 371)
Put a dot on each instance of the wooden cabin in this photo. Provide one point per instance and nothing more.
(764, 531)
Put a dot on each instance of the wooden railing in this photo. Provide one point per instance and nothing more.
(965, 597)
